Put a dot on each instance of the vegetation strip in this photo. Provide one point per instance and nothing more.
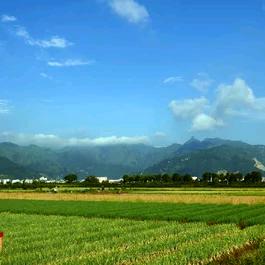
(243, 215)
(198, 197)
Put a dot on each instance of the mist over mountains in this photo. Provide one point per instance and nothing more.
(193, 157)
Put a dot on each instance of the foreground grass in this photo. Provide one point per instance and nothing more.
(242, 215)
(143, 196)
(253, 254)
(38, 239)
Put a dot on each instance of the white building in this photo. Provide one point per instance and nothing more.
(51, 181)
(43, 179)
(28, 181)
(5, 181)
(194, 178)
(14, 181)
(115, 180)
(101, 179)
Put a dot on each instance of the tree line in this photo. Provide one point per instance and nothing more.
(157, 178)
(208, 178)
(230, 178)
(253, 178)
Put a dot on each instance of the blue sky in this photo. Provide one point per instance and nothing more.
(129, 71)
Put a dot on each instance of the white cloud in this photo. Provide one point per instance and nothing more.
(22, 32)
(173, 79)
(4, 106)
(69, 63)
(204, 122)
(46, 76)
(7, 18)
(234, 100)
(188, 108)
(53, 42)
(130, 10)
(159, 139)
(57, 141)
(160, 134)
(112, 140)
(202, 82)
(237, 99)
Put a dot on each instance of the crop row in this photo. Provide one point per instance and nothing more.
(38, 239)
(214, 213)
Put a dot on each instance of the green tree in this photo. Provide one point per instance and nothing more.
(234, 177)
(176, 177)
(126, 178)
(187, 178)
(253, 177)
(207, 177)
(166, 178)
(92, 180)
(70, 178)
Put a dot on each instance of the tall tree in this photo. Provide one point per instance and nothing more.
(70, 178)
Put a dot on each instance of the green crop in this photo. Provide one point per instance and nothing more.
(213, 213)
(39, 239)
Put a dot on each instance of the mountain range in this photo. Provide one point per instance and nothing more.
(193, 157)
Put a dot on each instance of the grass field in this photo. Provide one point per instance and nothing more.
(38, 239)
(128, 229)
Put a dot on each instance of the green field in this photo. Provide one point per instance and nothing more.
(39, 239)
(226, 213)
(200, 191)
(131, 232)
(138, 190)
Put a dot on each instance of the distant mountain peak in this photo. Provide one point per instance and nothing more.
(192, 140)
(213, 139)
(8, 144)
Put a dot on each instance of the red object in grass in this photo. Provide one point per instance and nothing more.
(1, 234)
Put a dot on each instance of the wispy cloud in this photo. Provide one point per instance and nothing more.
(173, 79)
(4, 106)
(53, 140)
(7, 18)
(202, 82)
(130, 10)
(160, 134)
(46, 76)
(53, 42)
(69, 63)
